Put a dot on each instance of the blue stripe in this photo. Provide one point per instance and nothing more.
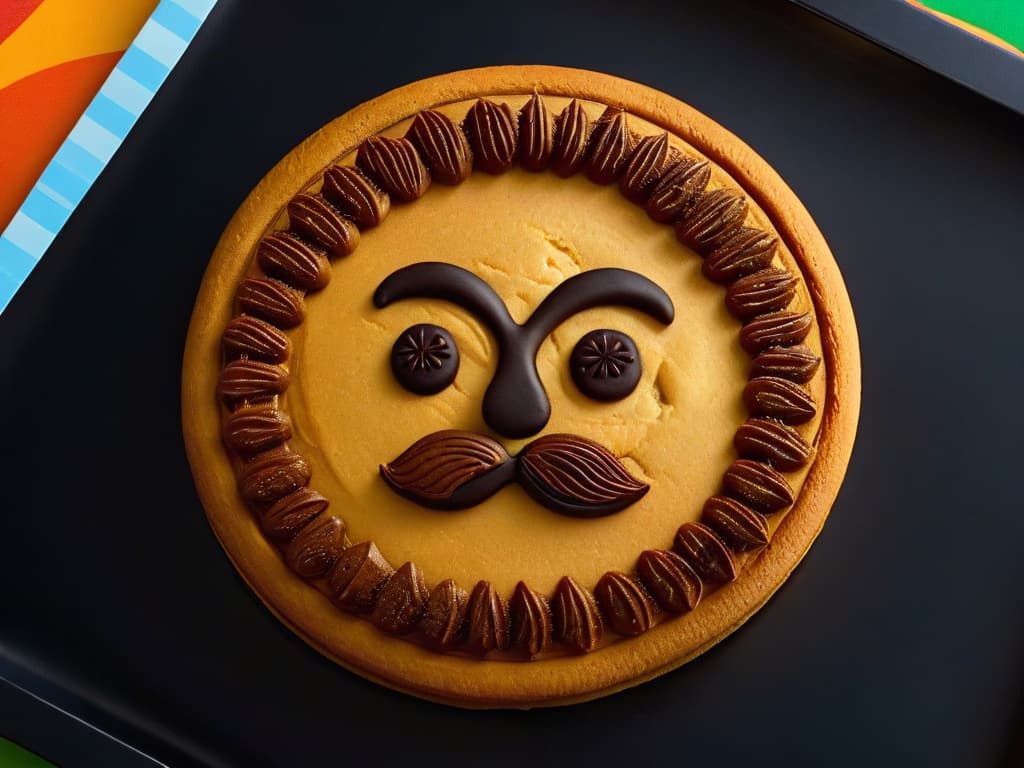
(125, 92)
(177, 19)
(143, 68)
(198, 8)
(15, 265)
(46, 211)
(65, 183)
(78, 159)
(114, 118)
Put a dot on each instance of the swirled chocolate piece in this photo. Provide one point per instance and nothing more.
(745, 251)
(357, 577)
(444, 617)
(316, 547)
(780, 399)
(645, 167)
(492, 131)
(712, 218)
(572, 133)
(769, 290)
(273, 474)
(777, 329)
(318, 221)
(611, 145)
(255, 339)
(536, 134)
(531, 621)
(576, 476)
(624, 603)
(678, 188)
(605, 365)
(271, 300)
(395, 165)
(487, 614)
(251, 430)
(251, 381)
(425, 359)
(356, 195)
(704, 551)
(290, 514)
(670, 579)
(757, 484)
(401, 601)
(442, 145)
(577, 622)
(797, 363)
(737, 525)
(288, 258)
(780, 445)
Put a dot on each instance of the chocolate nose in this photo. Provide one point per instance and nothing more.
(516, 404)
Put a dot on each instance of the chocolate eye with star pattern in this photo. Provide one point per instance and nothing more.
(425, 359)
(605, 365)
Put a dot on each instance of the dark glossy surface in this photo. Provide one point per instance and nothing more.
(897, 642)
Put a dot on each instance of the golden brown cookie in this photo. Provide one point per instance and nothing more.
(519, 386)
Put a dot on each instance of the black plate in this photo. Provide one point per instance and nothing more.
(898, 641)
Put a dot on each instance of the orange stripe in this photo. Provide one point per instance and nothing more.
(12, 13)
(39, 112)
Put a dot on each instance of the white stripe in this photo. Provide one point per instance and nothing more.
(54, 195)
(198, 8)
(160, 43)
(28, 235)
(127, 93)
(94, 138)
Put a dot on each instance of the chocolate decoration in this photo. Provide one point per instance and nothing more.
(250, 381)
(780, 399)
(611, 144)
(251, 430)
(757, 484)
(288, 258)
(576, 618)
(358, 576)
(487, 614)
(271, 300)
(745, 251)
(402, 601)
(395, 165)
(492, 131)
(515, 404)
(797, 363)
(536, 135)
(318, 221)
(605, 365)
(273, 474)
(704, 551)
(737, 525)
(780, 445)
(777, 329)
(442, 145)
(454, 469)
(572, 133)
(290, 514)
(575, 476)
(444, 617)
(645, 167)
(766, 291)
(255, 339)
(356, 195)
(316, 547)
(624, 603)
(425, 359)
(673, 583)
(677, 190)
(531, 621)
(712, 218)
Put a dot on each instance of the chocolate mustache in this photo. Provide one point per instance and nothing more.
(454, 469)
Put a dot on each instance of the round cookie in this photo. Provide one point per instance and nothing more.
(507, 538)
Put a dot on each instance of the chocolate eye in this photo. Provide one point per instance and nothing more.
(605, 365)
(425, 359)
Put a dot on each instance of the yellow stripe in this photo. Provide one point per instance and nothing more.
(66, 30)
